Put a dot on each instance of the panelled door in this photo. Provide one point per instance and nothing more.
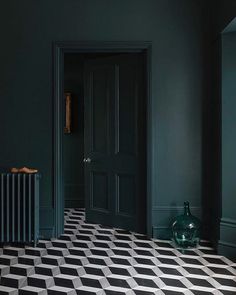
(115, 141)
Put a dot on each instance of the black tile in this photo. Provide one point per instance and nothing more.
(104, 232)
(169, 271)
(123, 232)
(227, 292)
(101, 245)
(173, 282)
(165, 252)
(72, 261)
(141, 237)
(138, 292)
(119, 271)
(143, 244)
(80, 244)
(226, 282)
(167, 261)
(145, 271)
(214, 260)
(220, 270)
(83, 237)
(117, 260)
(118, 282)
(143, 252)
(144, 261)
(167, 292)
(69, 232)
(164, 244)
(111, 292)
(99, 252)
(66, 270)
(191, 261)
(98, 261)
(200, 282)
(74, 251)
(123, 237)
(85, 232)
(195, 271)
(93, 271)
(103, 237)
(122, 244)
(121, 252)
(197, 292)
(188, 252)
(90, 283)
(72, 222)
(146, 282)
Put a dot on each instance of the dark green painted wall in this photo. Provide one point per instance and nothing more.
(227, 243)
(220, 14)
(28, 30)
(221, 142)
(73, 143)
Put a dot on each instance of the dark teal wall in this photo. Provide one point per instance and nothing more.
(229, 124)
(28, 30)
(221, 12)
(221, 141)
(73, 143)
(227, 243)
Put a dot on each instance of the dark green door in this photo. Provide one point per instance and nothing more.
(115, 142)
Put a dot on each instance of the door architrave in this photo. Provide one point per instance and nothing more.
(59, 50)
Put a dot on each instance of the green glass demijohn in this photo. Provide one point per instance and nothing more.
(186, 229)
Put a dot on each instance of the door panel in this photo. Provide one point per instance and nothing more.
(125, 191)
(100, 109)
(99, 194)
(126, 110)
(115, 175)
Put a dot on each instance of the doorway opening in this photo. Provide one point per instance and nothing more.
(101, 164)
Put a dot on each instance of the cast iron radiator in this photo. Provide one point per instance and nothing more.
(19, 208)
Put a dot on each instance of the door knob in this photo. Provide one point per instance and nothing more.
(87, 160)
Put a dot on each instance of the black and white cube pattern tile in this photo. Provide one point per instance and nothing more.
(93, 259)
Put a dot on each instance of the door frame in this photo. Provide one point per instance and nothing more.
(59, 50)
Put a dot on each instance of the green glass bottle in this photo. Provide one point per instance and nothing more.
(186, 229)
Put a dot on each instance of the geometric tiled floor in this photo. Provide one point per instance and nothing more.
(93, 259)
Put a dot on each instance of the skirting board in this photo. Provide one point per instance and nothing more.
(46, 233)
(161, 232)
(227, 249)
(46, 223)
(227, 242)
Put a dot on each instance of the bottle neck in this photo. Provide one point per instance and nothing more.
(186, 209)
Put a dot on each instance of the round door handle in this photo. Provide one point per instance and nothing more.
(87, 160)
